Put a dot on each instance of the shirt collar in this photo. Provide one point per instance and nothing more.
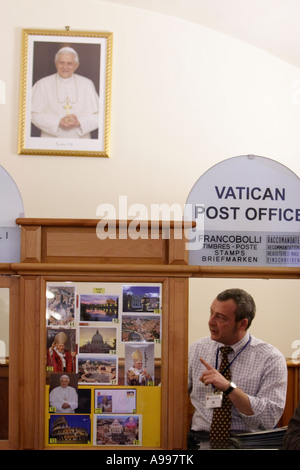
(239, 345)
(64, 80)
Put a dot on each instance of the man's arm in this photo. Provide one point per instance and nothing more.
(238, 398)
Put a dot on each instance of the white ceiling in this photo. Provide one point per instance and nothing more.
(272, 25)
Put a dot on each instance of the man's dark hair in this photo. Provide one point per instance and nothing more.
(245, 305)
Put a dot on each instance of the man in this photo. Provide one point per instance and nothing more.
(65, 104)
(64, 399)
(256, 391)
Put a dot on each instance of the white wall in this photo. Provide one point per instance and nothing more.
(277, 310)
(183, 98)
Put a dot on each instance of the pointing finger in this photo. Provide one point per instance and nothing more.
(206, 364)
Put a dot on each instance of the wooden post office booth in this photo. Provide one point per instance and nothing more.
(110, 303)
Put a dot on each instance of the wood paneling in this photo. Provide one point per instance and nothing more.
(69, 249)
(30, 360)
(10, 409)
(4, 384)
(71, 245)
(293, 392)
(31, 244)
(177, 363)
(69, 241)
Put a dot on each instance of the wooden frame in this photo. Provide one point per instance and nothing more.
(12, 369)
(66, 249)
(47, 125)
(59, 250)
(174, 342)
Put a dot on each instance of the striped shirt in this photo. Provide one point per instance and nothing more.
(259, 369)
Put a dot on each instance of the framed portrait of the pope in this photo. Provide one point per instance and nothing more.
(65, 93)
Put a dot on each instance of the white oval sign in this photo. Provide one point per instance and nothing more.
(247, 211)
(11, 207)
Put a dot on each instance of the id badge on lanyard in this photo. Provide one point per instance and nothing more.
(213, 400)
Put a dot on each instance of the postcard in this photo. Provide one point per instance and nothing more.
(141, 298)
(69, 429)
(99, 307)
(99, 369)
(61, 349)
(115, 401)
(63, 393)
(118, 430)
(140, 328)
(60, 305)
(139, 364)
(97, 340)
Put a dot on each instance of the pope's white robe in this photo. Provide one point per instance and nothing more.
(54, 97)
(60, 395)
(135, 377)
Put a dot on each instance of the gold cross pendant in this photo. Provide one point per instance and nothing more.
(67, 106)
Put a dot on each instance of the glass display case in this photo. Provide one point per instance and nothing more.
(107, 318)
(103, 364)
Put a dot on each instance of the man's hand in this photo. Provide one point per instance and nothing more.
(239, 398)
(65, 406)
(69, 121)
(213, 377)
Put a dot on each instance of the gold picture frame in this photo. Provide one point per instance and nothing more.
(45, 104)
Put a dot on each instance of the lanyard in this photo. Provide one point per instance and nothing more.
(235, 357)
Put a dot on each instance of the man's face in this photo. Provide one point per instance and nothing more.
(60, 347)
(138, 365)
(66, 65)
(223, 327)
(64, 382)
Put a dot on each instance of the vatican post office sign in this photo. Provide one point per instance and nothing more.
(11, 207)
(247, 213)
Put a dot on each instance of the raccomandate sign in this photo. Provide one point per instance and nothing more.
(247, 213)
(11, 207)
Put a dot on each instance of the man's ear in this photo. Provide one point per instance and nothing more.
(244, 324)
